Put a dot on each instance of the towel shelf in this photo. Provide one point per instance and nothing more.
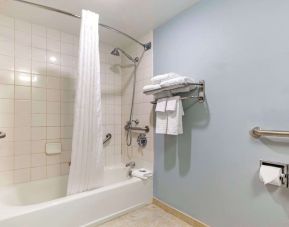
(258, 132)
(201, 97)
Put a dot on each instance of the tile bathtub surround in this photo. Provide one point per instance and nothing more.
(37, 80)
(143, 109)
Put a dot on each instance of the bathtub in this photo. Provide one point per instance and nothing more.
(44, 203)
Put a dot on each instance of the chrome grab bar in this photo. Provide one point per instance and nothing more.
(107, 138)
(145, 129)
(2, 135)
(257, 132)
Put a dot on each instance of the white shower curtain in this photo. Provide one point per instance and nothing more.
(86, 168)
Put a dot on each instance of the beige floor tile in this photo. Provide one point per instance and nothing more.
(148, 216)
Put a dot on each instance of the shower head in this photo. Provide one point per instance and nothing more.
(116, 51)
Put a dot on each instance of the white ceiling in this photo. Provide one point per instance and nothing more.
(135, 17)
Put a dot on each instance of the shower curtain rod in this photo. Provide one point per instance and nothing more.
(146, 46)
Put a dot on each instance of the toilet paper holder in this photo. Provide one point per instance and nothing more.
(284, 167)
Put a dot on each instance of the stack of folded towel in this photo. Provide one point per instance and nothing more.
(142, 173)
(169, 81)
(169, 114)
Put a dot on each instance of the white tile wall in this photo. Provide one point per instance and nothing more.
(111, 104)
(37, 80)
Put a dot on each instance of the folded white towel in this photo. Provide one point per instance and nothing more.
(163, 77)
(161, 105)
(151, 87)
(172, 103)
(142, 173)
(176, 82)
(183, 89)
(175, 119)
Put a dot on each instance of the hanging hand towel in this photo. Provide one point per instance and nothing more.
(161, 105)
(161, 116)
(175, 119)
(172, 103)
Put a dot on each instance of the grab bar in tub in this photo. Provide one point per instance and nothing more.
(2, 135)
(129, 127)
(107, 138)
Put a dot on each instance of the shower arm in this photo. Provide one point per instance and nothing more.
(128, 56)
(146, 46)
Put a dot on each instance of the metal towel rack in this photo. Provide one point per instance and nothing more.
(257, 132)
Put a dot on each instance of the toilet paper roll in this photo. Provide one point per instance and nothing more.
(270, 175)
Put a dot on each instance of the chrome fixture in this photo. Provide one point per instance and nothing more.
(136, 121)
(257, 132)
(107, 138)
(115, 52)
(284, 171)
(131, 165)
(142, 140)
(2, 135)
(128, 127)
(201, 97)
(146, 46)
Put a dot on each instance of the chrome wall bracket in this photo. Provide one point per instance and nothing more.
(284, 169)
(147, 46)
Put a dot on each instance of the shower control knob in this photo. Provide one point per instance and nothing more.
(142, 140)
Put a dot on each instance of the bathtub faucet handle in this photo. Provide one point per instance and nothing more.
(131, 165)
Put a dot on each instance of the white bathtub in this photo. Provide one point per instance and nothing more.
(43, 203)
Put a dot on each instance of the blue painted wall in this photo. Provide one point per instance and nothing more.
(241, 49)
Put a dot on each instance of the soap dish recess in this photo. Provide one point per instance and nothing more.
(53, 148)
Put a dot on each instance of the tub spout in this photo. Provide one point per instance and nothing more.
(130, 164)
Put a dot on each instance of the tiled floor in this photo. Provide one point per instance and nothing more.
(148, 216)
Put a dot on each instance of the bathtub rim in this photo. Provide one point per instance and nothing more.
(15, 211)
(115, 215)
